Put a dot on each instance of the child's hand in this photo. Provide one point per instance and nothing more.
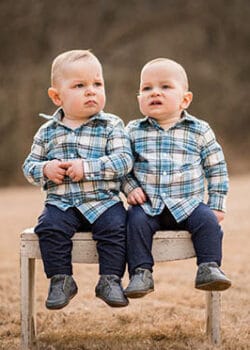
(54, 171)
(74, 169)
(137, 196)
(219, 214)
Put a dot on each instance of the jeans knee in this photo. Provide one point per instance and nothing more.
(43, 226)
(139, 221)
(136, 216)
(203, 216)
(112, 223)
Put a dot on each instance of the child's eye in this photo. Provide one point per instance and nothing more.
(98, 83)
(146, 88)
(79, 86)
(165, 86)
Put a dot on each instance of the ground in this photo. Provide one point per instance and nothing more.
(172, 317)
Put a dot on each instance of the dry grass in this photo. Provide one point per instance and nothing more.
(170, 318)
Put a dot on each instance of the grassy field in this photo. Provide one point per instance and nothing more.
(170, 318)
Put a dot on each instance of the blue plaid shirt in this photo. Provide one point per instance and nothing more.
(103, 145)
(171, 166)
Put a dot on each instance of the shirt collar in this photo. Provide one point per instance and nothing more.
(59, 113)
(151, 121)
(57, 116)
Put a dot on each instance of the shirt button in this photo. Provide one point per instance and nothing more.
(164, 173)
(72, 155)
(164, 194)
(77, 201)
(92, 175)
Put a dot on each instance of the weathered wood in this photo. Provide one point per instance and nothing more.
(167, 246)
(213, 307)
(28, 314)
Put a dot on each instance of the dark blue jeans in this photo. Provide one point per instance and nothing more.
(55, 229)
(202, 224)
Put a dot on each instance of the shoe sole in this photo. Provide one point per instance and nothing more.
(113, 303)
(214, 285)
(138, 294)
(60, 306)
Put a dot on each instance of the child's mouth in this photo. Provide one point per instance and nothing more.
(90, 102)
(154, 103)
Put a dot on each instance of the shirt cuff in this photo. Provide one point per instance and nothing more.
(129, 186)
(217, 202)
(35, 174)
(92, 169)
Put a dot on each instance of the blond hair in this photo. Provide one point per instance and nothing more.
(68, 57)
(178, 67)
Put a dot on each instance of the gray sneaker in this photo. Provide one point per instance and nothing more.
(109, 289)
(210, 277)
(62, 289)
(140, 284)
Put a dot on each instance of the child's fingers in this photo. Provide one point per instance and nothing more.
(135, 198)
(131, 200)
(58, 179)
(76, 178)
(219, 215)
(138, 195)
(140, 200)
(72, 174)
(142, 195)
(65, 165)
(69, 172)
(61, 171)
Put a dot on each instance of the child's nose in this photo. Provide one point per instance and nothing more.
(90, 91)
(155, 92)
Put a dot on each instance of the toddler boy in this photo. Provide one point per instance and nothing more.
(174, 154)
(79, 157)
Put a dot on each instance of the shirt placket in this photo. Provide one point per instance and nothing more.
(73, 154)
(164, 165)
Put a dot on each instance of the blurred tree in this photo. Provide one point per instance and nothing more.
(210, 38)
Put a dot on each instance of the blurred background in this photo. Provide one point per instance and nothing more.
(210, 38)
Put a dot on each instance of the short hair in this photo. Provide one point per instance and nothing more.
(68, 57)
(172, 62)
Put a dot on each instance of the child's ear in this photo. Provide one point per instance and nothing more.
(187, 99)
(55, 97)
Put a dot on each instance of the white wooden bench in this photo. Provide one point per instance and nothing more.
(167, 246)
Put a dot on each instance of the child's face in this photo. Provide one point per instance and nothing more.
(80, 89)
(163, 94)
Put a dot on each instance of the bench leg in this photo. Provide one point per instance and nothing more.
(213, 308)
(28, 317)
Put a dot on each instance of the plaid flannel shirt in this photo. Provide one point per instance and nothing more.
(103, 145)
(171, 166)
